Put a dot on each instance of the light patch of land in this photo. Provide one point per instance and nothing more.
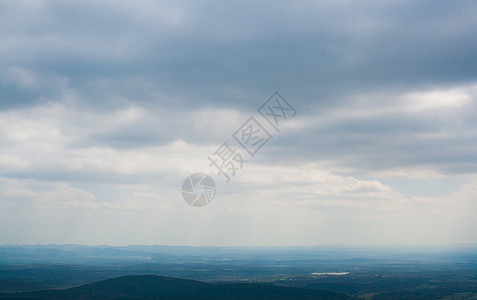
(330, 274)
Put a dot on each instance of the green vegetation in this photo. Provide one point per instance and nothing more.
(157, 287)
(365, 275)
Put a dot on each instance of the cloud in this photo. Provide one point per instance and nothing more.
(377, 132)
(106, 107)
(236, 55)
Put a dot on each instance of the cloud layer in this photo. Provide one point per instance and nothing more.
(106, 107)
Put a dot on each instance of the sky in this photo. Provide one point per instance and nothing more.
(106, 108)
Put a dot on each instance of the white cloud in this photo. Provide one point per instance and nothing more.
(440, 99)
(106, 107)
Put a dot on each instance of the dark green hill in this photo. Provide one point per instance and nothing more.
(157, 287)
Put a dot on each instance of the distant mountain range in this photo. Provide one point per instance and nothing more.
(80, 254)
(158, 287)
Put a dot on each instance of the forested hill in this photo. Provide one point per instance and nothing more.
(158, 287)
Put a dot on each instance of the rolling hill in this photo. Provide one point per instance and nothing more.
(158, 287)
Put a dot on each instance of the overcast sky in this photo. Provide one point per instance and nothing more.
(105, 108)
